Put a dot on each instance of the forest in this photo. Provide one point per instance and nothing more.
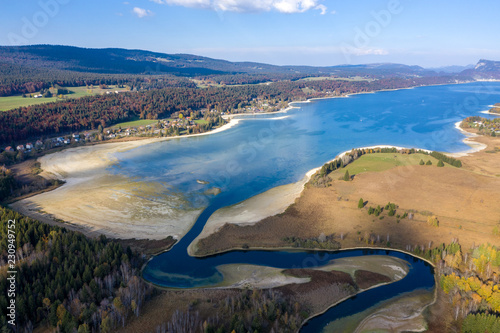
(469, 281)
(88, 113)
(16, 79)
(67, 281)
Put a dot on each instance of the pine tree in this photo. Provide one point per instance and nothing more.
(361, 203)
(440, 164)
(347, 177)
(421, 162)
(428, 162)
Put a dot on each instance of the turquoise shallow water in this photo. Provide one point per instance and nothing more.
(265, 151)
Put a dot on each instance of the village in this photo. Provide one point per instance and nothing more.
(181, 123)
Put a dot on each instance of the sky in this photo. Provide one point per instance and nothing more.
(281, 32)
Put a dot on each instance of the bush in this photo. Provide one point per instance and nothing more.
(428, 162)
(440, 164)
(433, 221)
(421, 162)
(391, 212)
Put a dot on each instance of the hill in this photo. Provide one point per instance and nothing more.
(484, 69)
(123, 61)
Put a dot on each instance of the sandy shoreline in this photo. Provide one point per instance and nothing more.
(95, 202)
(84, 168)
(474, 145)
(272, 202)
(277, 200)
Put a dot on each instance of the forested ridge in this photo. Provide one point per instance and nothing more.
(67, 281)
(105, 110)
(16, 79)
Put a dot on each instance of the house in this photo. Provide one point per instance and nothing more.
(9, 149)
(29, 145)
(20, 148)
(67, 141)
(76, 136)
(38, 143)
(38, 96)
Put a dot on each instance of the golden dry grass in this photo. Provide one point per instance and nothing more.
(466, 202)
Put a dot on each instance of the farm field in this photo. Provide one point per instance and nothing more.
(12, 102)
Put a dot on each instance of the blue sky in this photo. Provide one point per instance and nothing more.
(282, 32)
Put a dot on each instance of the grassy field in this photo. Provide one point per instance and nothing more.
(201, 121)
(318, 78)
(136, 123)
(12, 102)
(202, 84)
(385, 161)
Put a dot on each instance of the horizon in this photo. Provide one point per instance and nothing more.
(251, 61)
(283, 33)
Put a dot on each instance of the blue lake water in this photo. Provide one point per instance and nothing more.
(266, 151)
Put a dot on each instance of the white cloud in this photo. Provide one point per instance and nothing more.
(185, 3)
(141, 12)
(322, 8)
(283, 6)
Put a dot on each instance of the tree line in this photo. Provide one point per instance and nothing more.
(91, 111)
(16, 79)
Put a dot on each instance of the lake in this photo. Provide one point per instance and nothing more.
(265, 151)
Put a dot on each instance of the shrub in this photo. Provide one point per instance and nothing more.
(391, 211)
(421, 162)
(428, 162)
(433, 221)
(440, 164)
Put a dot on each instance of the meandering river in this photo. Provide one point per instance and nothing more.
(265, 151)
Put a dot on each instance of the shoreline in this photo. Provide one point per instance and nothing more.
(107, 160)
(98, 157)
(474, 145)
(262, 199)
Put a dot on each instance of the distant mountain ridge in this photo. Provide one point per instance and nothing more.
(124, 61)
(450, 69)
(484, 69)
